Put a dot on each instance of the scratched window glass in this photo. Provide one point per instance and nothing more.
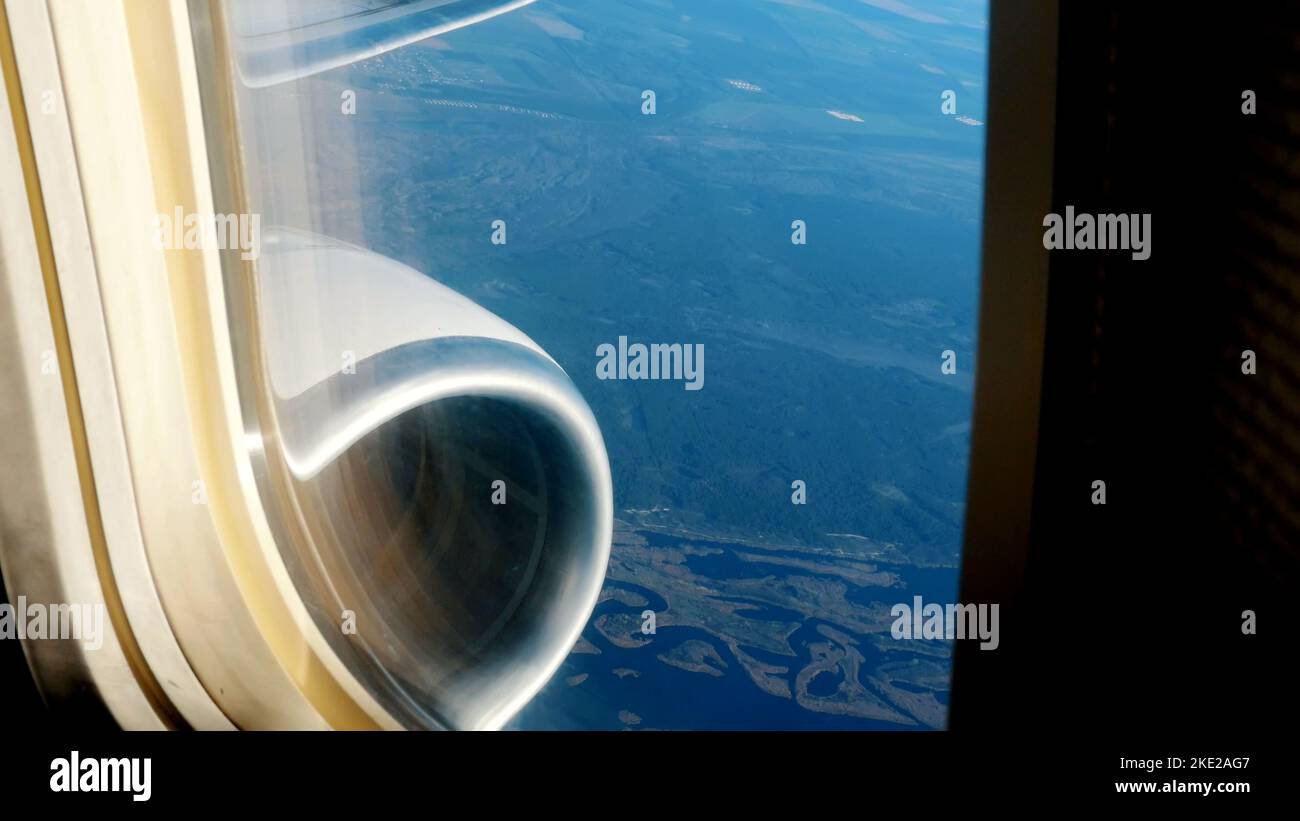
(748, 230)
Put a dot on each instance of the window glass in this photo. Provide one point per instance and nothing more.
(787, 194)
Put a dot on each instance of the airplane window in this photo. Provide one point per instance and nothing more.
(748, 232)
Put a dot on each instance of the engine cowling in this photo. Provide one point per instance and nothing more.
(451, 485)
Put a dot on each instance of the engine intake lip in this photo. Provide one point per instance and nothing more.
(463, 608)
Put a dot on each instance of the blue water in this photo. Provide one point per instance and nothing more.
(665, 697)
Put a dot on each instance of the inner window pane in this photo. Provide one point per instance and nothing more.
(795, 188)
